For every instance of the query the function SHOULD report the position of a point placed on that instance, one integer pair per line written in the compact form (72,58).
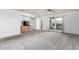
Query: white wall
(9,23)
(71,23)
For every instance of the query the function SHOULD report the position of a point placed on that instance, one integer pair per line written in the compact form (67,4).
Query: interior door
(38,24)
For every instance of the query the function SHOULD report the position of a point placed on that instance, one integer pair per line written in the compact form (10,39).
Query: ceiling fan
(48,12)
(51,11)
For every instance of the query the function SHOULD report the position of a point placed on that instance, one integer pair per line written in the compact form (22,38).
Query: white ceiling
(40,12)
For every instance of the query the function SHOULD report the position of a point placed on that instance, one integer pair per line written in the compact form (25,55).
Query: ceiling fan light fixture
(51,12)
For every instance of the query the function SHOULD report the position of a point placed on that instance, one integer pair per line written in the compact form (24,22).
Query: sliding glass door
(56,24)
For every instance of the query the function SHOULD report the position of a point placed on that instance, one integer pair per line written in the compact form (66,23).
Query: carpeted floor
(41,40)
